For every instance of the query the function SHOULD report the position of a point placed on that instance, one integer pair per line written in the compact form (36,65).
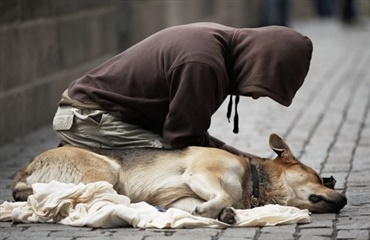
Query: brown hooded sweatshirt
(173,81)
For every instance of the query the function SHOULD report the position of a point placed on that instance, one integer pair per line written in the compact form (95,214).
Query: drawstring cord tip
(236,116)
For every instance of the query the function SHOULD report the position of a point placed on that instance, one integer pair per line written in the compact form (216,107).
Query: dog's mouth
(338,204)
(324,204)
(331,205)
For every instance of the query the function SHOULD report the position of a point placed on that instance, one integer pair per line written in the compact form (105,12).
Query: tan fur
(205,181)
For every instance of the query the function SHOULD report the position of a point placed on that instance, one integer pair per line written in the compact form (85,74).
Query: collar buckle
(255,202)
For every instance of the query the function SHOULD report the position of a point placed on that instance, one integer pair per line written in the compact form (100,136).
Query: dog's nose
(341,202)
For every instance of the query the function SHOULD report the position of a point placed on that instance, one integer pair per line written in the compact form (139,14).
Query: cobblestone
(353,234)
(327,127)
(358,222)
(234,233)
(317,232)
(318,223)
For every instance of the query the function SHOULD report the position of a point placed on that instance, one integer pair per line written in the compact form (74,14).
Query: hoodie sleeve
(194,97)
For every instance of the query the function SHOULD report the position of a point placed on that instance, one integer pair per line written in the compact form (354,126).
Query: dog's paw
(204,212)
(227,215)
(197,211)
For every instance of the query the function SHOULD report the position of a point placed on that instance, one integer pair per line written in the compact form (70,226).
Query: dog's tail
(21,189)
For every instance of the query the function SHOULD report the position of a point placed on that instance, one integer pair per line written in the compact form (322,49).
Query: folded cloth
(98,205)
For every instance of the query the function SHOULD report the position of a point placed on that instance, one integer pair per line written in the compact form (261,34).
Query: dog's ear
(329,182)
(278,145)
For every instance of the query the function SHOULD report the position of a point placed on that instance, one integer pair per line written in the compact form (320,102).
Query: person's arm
(236,151)
(220,144)
(195,95)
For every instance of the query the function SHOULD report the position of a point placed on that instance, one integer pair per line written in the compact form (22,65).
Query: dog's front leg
(208,187)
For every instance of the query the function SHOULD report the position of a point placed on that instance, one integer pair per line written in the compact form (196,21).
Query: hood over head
(271,61)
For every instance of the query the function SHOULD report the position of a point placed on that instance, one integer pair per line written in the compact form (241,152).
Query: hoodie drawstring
(229,106)
(236,116)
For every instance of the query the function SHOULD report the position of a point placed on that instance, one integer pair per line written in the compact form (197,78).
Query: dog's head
(305,188)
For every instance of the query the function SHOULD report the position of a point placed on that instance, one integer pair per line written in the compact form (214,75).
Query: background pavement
(327,127)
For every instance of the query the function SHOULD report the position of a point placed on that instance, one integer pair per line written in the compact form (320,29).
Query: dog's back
(66,164)
(74,165)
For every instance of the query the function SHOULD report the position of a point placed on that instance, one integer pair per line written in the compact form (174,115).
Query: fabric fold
(98,205)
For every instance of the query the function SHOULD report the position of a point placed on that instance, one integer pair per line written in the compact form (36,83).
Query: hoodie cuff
(215,142)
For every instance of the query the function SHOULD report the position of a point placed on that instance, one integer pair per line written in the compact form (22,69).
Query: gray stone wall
(44,44)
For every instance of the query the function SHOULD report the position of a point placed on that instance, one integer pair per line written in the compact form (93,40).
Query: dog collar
(256,186)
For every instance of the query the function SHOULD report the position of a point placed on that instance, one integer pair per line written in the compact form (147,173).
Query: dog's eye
(315,198)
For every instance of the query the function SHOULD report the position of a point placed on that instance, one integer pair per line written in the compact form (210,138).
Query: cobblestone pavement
(327,127)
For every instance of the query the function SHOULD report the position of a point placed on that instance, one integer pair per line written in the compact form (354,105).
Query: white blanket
(99,205)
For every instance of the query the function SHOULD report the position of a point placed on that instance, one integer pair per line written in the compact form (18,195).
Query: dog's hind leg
(187,204)
(208,187)
(21,189)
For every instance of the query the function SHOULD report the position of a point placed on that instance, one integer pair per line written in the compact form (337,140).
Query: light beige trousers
(101,129)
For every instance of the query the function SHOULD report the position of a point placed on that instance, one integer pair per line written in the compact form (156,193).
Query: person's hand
(236,151)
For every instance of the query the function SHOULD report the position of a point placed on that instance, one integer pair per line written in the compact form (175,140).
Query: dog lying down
(204,181)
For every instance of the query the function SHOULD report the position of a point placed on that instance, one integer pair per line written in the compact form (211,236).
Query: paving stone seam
(335,90)
(257,235)
(357,140)
(296,234)
(359,135)
(315,89)
(355,87)
(328,102)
